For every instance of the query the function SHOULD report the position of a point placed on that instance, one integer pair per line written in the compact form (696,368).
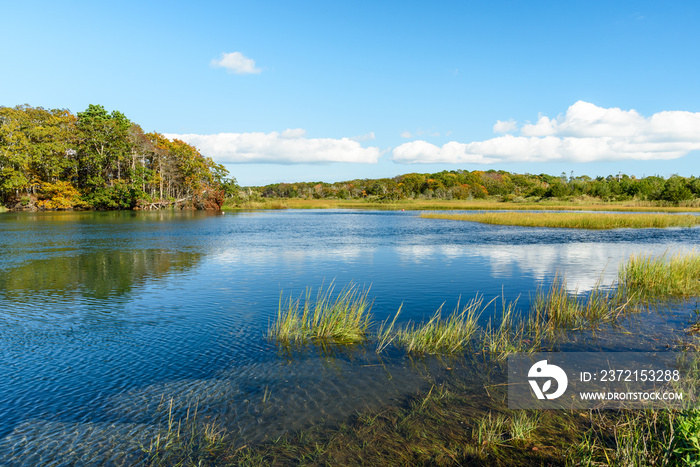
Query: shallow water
(106,317)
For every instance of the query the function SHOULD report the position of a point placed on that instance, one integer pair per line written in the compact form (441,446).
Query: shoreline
(435,205)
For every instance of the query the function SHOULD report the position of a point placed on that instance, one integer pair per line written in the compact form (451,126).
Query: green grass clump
(662,276)
(342,319)
(437,336)
(570,220)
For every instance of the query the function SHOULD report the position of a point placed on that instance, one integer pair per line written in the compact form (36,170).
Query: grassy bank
(587,204)
(580,220)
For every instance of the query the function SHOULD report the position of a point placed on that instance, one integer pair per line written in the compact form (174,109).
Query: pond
(111,321)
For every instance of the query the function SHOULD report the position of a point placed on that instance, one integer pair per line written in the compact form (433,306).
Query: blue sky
(307,91)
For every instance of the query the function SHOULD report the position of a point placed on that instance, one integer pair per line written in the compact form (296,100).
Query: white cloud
(406,134)
(424,152)
(505,127)
(586,133)
(288,147)
(236,62)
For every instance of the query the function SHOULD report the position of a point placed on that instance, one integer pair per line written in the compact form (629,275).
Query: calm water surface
(108,317)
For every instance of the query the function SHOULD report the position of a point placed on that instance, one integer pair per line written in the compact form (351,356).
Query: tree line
(53,159)
(464,185)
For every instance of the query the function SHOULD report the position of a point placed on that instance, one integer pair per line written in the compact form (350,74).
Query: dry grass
(583,220)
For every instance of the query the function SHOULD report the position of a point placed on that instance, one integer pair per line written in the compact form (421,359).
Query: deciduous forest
(52,159)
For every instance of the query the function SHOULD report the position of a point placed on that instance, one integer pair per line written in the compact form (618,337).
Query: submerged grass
(341,319)
(663,276)
(186,442)
(579,220)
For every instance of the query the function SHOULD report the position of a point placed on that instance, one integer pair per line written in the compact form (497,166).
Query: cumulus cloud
(236,62)
(288,147)
(586,133)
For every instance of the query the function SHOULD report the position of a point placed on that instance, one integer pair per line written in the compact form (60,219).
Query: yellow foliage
(59,195)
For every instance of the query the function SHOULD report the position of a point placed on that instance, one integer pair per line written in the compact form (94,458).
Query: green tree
(104,146)
(676,190)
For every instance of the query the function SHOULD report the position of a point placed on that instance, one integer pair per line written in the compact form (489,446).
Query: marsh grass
(439,335)
(556,310)
(663,276)
(530,204)
(251,204)
(553,312)
(509,335)
(327,318)
(579,220)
